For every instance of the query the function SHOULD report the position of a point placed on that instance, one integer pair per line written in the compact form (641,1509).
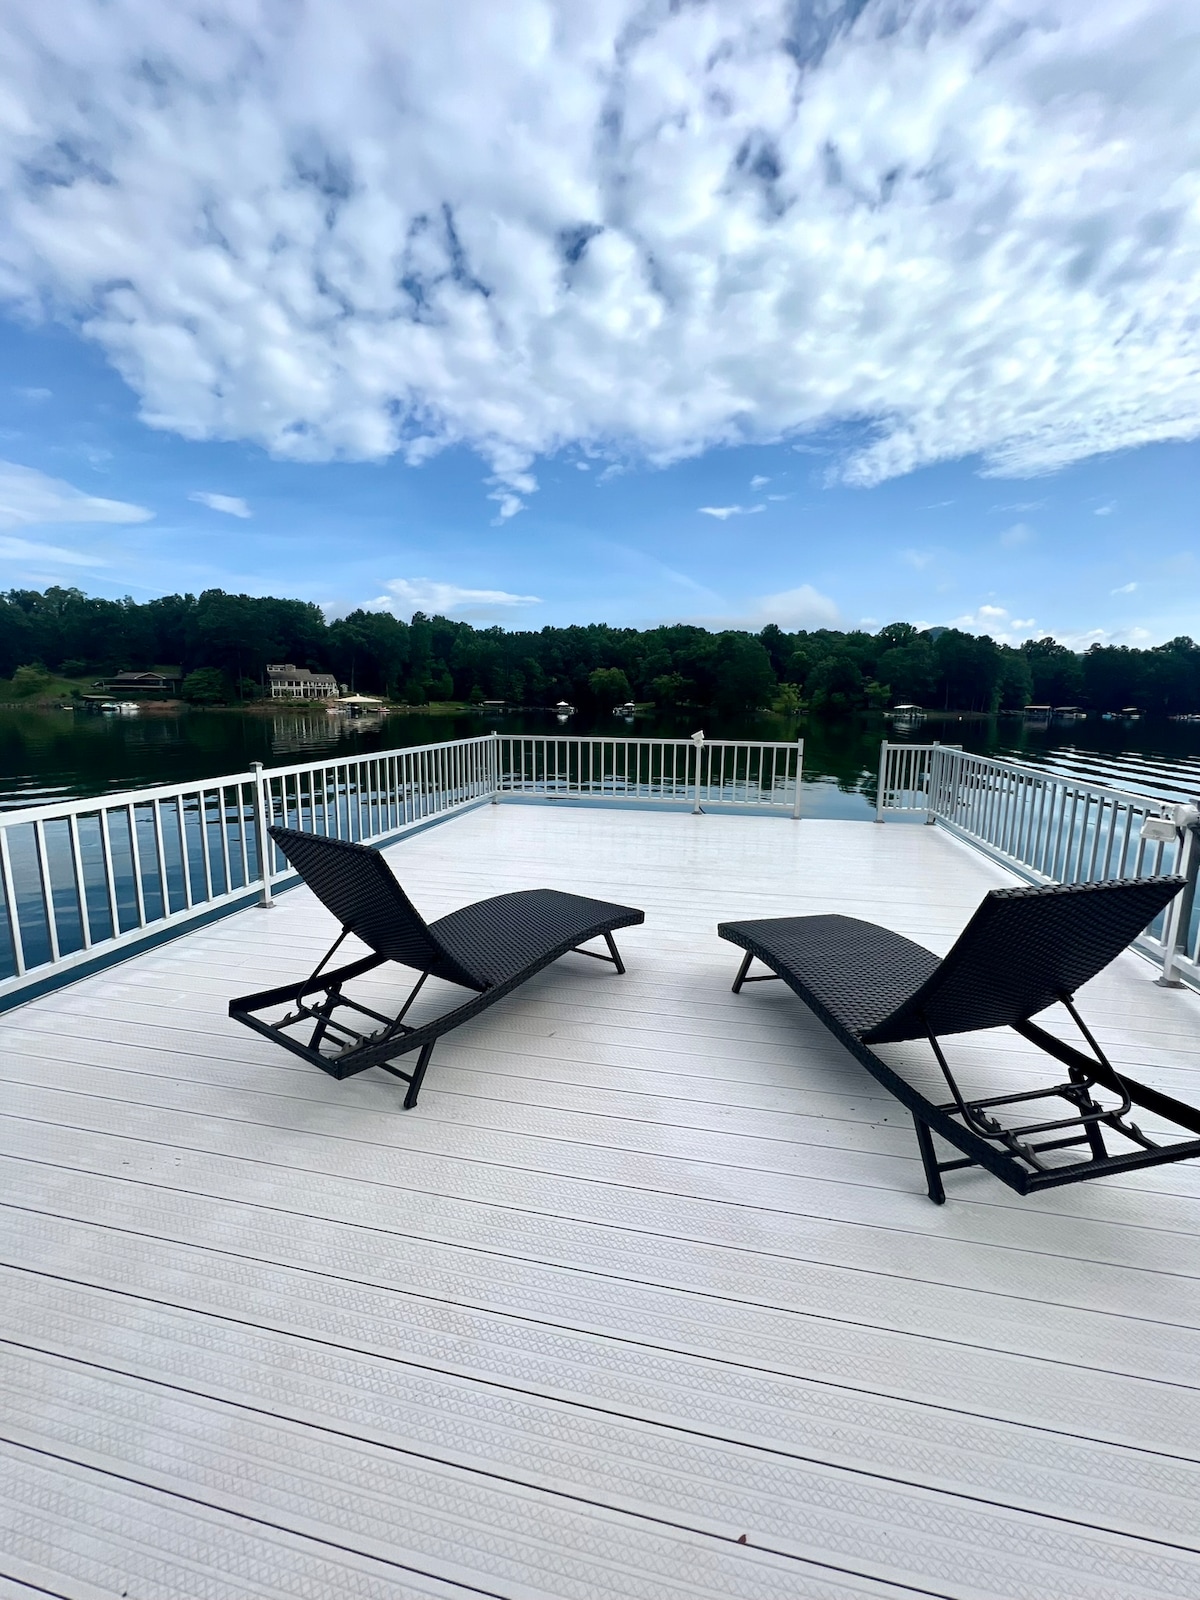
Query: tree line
(223,643)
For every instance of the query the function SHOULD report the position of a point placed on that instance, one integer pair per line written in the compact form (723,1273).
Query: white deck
(649,1269)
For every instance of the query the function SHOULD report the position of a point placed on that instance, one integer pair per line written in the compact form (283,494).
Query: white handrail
(702,773)
(1049,827)
(82,881)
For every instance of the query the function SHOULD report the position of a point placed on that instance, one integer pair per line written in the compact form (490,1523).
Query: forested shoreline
(221,643)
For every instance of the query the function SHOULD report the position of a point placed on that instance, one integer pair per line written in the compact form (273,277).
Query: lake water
(52,755)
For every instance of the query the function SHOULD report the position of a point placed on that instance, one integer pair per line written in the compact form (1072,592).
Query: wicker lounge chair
(1022,951)
(489,948)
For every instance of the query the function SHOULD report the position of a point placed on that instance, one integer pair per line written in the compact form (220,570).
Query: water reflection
(56,755)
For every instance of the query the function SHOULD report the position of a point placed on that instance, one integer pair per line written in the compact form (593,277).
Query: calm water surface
(52,755)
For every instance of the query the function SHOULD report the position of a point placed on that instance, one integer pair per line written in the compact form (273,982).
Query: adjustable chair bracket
(1086,1073)
(319,1000)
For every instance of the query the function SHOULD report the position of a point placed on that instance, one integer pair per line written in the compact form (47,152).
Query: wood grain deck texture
(648,1273)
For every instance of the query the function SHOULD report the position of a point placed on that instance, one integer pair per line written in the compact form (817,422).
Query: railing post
(933,775)
(881,791)
(1179,913)
(698,741)
(265,899)
(799,774)
(495,748)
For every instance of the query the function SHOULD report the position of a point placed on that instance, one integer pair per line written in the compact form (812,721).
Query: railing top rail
(113,799)
(684,739)
(374,755)
(1049,775)
(1042,774)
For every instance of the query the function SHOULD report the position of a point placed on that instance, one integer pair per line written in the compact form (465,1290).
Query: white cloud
(803,607)
(759,482)
(35,396)
(406,595)
(918,559)
(28,497)
(974,229)
(231,504)
(28,550)
(999,624)
(1126,588)
(1020,533)
(723,513)
(1105,511)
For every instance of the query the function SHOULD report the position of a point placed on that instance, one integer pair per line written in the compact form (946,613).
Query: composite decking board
(840,1344)
(618,1332)
(564,1249)
(727,1444)
(876,1240)
(388,1446)
(101,1534)
(816,1268)
(811,1091)
(1139,1333)
(487,1531)
(613,1183)
(890,1251)
(630,1329)
(852,1151)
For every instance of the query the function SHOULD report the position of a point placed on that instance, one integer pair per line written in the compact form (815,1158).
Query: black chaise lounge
(489,948)
(1022,951)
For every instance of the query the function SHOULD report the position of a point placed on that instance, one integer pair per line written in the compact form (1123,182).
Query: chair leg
(414,1088)
(742,971)
(614,952)
(933,1176)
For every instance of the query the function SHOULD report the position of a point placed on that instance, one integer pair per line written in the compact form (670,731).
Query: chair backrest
(358,886)
(1024,948)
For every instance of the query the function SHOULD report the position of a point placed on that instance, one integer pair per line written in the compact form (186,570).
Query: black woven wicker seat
(1023,951)
(489,948)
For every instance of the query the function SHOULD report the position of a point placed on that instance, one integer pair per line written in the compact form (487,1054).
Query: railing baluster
(12,907)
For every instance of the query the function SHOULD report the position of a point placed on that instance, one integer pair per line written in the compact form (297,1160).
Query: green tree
(1015,684)
(744,679)
(609,687)
(787,700)
(206,686)
(30,680)
(835,684)
(1057,672)
(669,690)
(909,670)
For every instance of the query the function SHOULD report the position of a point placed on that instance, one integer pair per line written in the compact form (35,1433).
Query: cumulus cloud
(759,482)
(360,229)
(28,497)
(406,595)
(999,624)
(1020,533)
(802,607)
(52,555)
(723,513)
(231,504)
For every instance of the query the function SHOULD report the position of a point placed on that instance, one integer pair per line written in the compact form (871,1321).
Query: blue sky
(757,312)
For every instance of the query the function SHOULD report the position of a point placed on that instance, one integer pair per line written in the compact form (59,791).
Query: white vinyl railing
(82,881)
(1052,828)
(697,772)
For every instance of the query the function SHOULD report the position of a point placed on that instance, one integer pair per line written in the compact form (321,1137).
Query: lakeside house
(289,682)
(161,685)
